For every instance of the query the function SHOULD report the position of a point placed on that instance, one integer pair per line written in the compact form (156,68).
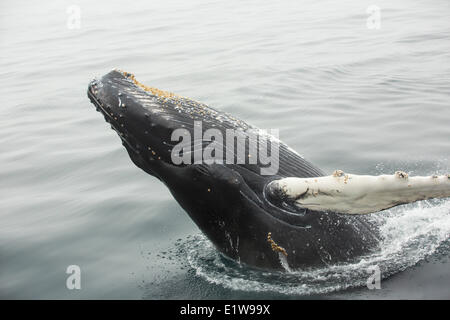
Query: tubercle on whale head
(191,108)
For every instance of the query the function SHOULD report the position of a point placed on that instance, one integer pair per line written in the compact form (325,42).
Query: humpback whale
(296,217)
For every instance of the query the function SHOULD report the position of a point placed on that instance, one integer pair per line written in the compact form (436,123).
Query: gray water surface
(343,95)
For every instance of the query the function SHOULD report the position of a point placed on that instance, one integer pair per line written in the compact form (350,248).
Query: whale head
(140,115)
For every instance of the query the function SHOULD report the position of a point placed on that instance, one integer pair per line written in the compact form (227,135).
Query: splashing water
(410,234)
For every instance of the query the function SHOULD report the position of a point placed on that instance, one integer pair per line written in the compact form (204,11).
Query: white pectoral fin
(359,194)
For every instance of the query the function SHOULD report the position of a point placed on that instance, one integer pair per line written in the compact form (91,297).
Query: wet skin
(228,202)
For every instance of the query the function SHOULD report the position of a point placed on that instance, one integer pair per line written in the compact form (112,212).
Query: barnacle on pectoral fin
(401,175)
(274,246)
(338,173)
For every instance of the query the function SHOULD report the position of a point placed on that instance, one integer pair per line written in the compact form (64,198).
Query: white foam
(410,233)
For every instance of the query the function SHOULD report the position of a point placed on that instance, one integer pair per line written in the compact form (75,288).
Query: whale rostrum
(358,194)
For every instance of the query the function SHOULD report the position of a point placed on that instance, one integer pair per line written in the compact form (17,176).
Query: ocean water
(343,93)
